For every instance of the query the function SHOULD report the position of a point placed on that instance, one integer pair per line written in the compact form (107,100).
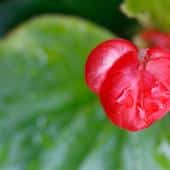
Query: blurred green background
(49,119)
(105,13)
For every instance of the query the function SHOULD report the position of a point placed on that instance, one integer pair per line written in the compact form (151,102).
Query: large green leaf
(154,13)
(49,120)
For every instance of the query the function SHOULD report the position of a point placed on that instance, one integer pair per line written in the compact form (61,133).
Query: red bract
(156,38)
(135,88)
(102,58)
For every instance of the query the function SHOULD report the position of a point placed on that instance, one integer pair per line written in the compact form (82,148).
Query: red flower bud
(156,38)
(134,87)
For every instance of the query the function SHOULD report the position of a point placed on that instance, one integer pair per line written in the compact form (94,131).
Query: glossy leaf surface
(49,120)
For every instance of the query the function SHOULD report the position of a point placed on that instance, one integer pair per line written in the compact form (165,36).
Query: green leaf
(49,120)
(152,13)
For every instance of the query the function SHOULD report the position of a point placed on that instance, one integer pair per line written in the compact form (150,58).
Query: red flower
(155,38)
(133,86)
